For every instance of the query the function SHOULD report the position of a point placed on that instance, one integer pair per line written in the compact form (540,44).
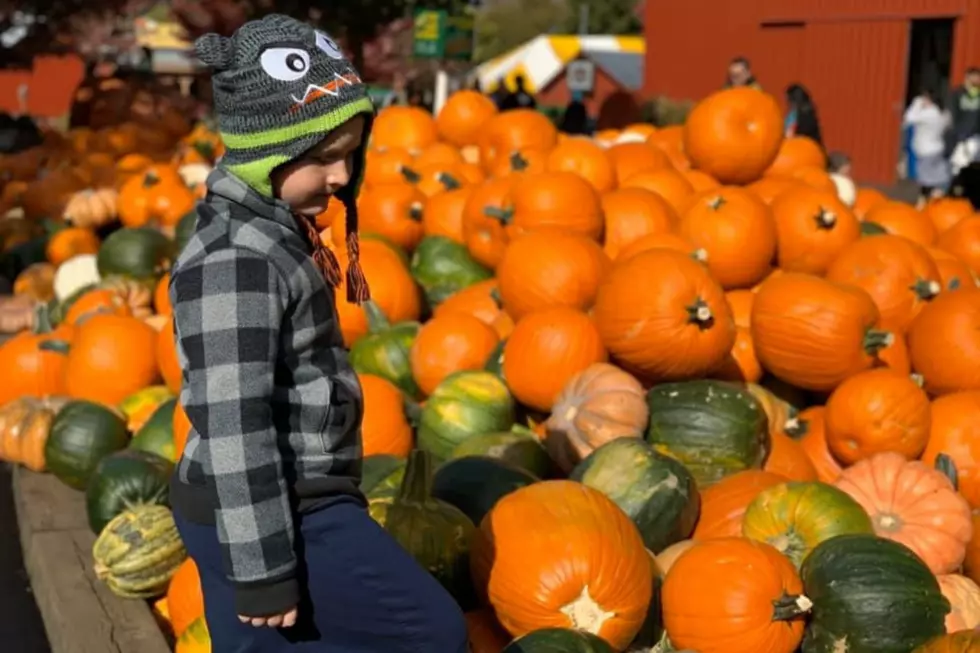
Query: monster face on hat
(280,86)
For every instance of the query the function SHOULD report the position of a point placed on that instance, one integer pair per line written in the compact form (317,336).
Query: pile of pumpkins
(673,389)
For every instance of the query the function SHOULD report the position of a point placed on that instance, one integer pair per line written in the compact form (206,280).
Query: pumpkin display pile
(672,389)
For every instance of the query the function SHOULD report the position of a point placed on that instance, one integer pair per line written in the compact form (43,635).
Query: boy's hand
(284,620)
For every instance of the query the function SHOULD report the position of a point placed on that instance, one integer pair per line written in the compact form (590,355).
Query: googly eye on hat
(285,64)
(328,45)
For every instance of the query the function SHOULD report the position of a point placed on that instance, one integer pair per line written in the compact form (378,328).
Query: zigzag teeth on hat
(331,88)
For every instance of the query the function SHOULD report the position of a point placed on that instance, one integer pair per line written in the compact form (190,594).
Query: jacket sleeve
(227,311)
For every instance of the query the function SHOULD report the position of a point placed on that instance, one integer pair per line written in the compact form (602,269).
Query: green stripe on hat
(323,123)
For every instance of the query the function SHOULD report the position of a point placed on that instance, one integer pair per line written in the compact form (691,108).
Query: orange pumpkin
(70,242)
(815,177)
(700,181)
(385,428)
(663,241)
(36,281)
(912,504)
(673,325)
(482,301)
(900,219)
(788,458)
(463,116)
(809,428)
(769,188)
(546,349)
(449,343)
(630,159)
(814,333)
(737,231)
(515,131)
(971,563)
(485,208)
(955,432)
(24,426)
(185,602)
(632,213)
(895,355)
(166,353)
(599,404)
(944,342)
(946,212)
(443,214)
(953,272)
(394,212)
(741,363)
(94,302)
(549,268)
(899,275)
(724,503)
(964,598)
(587,160)
(734,135)
(667,183)
(385,166)
(520,162)
(867,199)
(182,429)
(111,357)
(161,295)
(407,127)
(812,228)
(748,591)
(963,242)
(797,152)
(34,362)
(597,580)
(157,196)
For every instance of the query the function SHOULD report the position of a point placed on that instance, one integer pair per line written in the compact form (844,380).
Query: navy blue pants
(362,593)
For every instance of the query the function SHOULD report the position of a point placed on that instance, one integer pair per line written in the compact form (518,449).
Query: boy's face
(307,183)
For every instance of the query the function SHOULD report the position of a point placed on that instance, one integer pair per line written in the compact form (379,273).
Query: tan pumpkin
(599,404)
(666,558)
(912,504)
(24,427)
(137,296)
(92,208)
(964,598)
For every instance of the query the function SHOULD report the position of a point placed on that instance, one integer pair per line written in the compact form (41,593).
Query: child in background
(266,494)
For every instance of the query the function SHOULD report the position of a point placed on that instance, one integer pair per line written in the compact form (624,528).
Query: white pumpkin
(194,174)
(846,190)
(74,274)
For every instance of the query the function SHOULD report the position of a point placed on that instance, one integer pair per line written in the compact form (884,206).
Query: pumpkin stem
(150,179)
(499,213)
(947,467)
(700,255)
(826,219)
(448,181)
(790,606)
(926,289)
(415,211)
(716,202)
(700,313)
(413,411)
(42,319)
(57,346)
(796,428)
(410,175)
(417,484)
(518,162)
(918,379)
(376,319)
(875,340)
(495,296)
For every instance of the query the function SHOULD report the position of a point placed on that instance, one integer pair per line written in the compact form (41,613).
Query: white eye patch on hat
(328,45)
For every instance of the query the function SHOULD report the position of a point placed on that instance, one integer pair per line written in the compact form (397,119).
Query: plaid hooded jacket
(274,405)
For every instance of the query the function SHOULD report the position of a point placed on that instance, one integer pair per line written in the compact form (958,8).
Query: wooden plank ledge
(80,614)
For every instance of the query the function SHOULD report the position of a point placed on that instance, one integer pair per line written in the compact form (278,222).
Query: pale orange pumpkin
(599,404)
(964,598)
(912,504)
(597,580)
(385,429)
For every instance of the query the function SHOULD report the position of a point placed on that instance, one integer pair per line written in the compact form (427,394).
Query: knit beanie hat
(280,86)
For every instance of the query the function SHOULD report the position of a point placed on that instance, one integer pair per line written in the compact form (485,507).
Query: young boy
(266,493)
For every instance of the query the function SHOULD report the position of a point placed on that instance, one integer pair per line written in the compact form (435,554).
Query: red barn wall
(51,86)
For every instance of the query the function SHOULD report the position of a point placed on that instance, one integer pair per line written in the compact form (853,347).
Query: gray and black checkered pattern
(274,404)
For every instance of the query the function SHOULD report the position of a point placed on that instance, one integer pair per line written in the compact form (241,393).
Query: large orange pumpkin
(111,357)
(463,116)
(393,211)
(34,362)
(724,503)
(953,272)
(955,432)
(812,228)
(946,212)
(582,565)
(630,159)
(451,342)
(734,595)
(632,213)
(185,602)
(944,342)
(385,429)
(667,183)
(662,316)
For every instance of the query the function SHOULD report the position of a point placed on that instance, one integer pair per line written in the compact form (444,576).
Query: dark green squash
(183,231)
(139,253)
(872,594)
(465,404)
(519,446)
(872,229)
(475,484)
(125,479)
(714,428)
(436,533)
(381,475)
(82,434)
(442,266)
(655,491)
(157,434)
(384,351)
(58,309)
(558,640)
(495,361)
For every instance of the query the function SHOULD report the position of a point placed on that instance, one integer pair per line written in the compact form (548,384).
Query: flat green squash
(558,640)
(795,517)
(381,475)
(81,435)
(157,434)
(384,351)
(123,480)
(870,595)
(655,491)
(465,404)
(495,361)
(714,428)
(475,484)
(441,266)
(518,446)
(139,253)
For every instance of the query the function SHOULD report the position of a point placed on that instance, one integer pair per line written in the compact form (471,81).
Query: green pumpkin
(476,483)
(465,404)
(558,640)
(870,595)
(381,475)
(796,517)
(125,479)
(184,230)
(518,446)
(139,253)
(443,267)
(652,631)
(436,533)
(495,361)
(81,435)
(655,491)
(157,435)
(714,428)
(872,229)
(56,310)
(384,351)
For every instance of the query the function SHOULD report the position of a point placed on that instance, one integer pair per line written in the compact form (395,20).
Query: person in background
(499,92)
(576,117)
(929,122)
(740,74)
(839,163)
(520,98)
(801,119)
(965,109)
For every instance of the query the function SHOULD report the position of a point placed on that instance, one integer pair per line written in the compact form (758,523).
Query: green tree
(605,16)
(506,24)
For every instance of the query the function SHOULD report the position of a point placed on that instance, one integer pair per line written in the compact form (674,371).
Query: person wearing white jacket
(929,122)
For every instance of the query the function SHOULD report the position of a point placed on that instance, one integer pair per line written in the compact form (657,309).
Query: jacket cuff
(267,597)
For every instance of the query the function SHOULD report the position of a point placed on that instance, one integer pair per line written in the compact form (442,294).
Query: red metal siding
(838,10)
(51,86)
(556,93)
(778,72)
